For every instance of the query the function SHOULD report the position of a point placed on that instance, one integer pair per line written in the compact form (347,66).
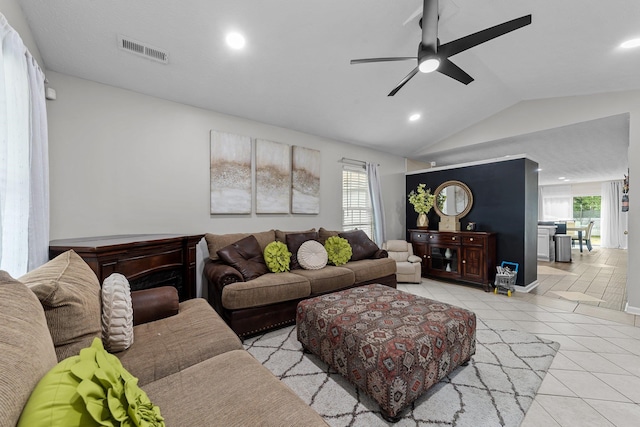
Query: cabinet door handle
(429,257)
(453,238)
(431,237)
(471,239)
(464,262)
(419,235)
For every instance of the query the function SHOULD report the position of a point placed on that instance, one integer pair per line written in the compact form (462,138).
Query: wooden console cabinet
(468,256)
(146,260)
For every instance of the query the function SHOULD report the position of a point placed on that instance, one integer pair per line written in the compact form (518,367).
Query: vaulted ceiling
(294,71)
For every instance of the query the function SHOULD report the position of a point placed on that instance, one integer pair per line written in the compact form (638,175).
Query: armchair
(409,266)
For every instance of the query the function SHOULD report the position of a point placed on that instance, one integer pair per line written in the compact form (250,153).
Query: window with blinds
(356,203)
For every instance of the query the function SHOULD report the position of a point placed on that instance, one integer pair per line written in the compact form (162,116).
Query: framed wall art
(305,182)
(273,177)
(230,173)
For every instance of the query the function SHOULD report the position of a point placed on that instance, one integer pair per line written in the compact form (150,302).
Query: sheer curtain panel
(376,203)
(24,199)
(613,222)
(557,203)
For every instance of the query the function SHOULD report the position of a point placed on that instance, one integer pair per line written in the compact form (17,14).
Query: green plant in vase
(422,201)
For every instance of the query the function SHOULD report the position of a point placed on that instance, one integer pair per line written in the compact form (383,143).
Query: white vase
(447,254)
(448,267)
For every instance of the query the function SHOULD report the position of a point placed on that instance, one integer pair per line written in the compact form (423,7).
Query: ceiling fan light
(429,65)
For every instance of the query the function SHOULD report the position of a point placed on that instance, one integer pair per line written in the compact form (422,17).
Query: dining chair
(586,236)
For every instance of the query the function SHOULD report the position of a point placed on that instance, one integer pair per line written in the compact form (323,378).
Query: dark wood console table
(468,256)
(146,260)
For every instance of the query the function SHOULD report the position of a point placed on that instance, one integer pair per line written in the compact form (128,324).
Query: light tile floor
(594,379)
(600,274)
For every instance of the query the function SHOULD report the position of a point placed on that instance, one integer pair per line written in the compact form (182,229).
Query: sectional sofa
(252,303)
(187,360)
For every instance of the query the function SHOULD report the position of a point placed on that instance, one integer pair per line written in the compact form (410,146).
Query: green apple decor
(277,257)
(338,250)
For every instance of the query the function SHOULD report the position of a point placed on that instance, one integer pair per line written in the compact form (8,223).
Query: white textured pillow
(117,313)
(312,255)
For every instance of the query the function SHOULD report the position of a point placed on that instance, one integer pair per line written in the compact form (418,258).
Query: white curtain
(376,203)
(613,222)
(557,203)
(24,199)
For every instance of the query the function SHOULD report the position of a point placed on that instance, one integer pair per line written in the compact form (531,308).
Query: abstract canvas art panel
(306,181)
(230,173)
(273,177)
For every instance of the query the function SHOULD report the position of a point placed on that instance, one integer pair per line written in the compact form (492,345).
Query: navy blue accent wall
(505,201)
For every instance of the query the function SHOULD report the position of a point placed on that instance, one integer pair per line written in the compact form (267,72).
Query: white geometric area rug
(495,389)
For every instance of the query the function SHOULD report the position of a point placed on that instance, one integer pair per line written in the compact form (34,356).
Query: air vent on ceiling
(143,49)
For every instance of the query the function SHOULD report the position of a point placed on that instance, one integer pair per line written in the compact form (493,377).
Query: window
(585,210)
(356,203)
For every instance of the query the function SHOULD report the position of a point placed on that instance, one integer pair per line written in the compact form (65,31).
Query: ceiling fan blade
(467,42)
(396,58)
(403,82)
(450,69)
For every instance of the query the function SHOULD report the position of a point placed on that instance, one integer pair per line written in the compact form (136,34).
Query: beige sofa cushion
(169,345)
(370,269)
(69,291)
(328,279)
(267,289)
(232,389)
(26,348)
(215,242)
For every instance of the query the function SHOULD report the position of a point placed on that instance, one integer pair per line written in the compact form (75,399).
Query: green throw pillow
(277,257)
(91,389)
(338,250)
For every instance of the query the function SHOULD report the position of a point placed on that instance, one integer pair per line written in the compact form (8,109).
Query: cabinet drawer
(418,236)
(444,238)
(472,240)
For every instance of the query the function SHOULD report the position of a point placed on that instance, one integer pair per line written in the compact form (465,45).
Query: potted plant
(422,201)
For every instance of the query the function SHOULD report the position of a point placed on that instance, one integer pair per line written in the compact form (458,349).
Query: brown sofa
(191,365)
(269,301)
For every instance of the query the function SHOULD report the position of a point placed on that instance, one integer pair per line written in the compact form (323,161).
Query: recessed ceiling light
(567,180)
(235,40)
(414,117)
(562,177)
(630,43)
(538,170)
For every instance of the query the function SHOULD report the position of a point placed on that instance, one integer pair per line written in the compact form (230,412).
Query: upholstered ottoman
(391,344)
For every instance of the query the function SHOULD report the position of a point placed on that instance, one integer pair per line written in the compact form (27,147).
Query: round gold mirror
(453,201)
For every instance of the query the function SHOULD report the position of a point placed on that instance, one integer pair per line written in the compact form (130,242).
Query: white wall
(13,12)
(122,162)
(531,116)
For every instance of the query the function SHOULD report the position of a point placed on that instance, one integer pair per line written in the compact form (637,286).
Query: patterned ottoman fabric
(391,344)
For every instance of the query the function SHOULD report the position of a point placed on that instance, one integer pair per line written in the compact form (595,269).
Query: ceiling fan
(432,56)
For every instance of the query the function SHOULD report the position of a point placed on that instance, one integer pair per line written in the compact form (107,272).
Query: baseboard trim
(526,289)
(631,310)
